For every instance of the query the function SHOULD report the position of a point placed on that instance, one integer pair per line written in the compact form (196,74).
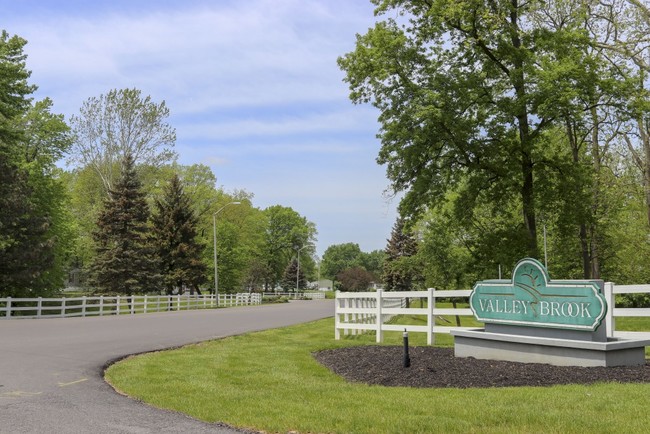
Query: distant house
(325,285)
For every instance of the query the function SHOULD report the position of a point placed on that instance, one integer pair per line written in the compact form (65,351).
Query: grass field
(269,381)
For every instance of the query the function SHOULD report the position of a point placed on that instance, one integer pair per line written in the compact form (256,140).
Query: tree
(118,124)
(126,262)
(373,262)
(354,279)
(291,273)
(465,92)
(33,234)
(286,231)
(400,267)
(174,231)
(339,257)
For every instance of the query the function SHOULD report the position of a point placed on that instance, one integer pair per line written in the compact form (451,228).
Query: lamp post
(214,233)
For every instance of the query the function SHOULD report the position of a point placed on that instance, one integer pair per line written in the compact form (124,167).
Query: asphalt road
(51,370)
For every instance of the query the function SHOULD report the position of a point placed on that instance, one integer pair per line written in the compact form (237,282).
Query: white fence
(296,295)
(117,305)
(362,311)
(611,290)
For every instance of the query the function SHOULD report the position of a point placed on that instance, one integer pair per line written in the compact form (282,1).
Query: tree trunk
(527,188)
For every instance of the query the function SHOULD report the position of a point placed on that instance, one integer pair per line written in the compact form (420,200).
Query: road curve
(51,370)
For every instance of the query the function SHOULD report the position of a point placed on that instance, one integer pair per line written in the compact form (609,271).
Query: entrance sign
(531,298)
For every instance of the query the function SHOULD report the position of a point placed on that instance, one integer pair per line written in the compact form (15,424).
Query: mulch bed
(438,367)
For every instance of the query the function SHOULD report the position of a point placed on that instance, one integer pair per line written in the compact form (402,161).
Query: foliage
(121,123)
(286,232)
(502,123)
(34,235)
(373,262)
(125,261)
(292,277)
(339,257)
(401,267)
(355,279)
(174,233)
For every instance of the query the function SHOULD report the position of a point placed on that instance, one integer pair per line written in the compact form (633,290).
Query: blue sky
(253,87)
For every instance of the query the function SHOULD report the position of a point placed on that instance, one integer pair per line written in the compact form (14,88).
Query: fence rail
(116,305)
(357,312)
(611,290)
(363,311)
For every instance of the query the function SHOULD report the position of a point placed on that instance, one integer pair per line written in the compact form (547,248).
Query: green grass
(269,381)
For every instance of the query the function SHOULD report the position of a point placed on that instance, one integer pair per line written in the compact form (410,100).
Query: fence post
(63,307)
(132,302)
(117,303)
(8,314)
(379,319)
(145,304)
(431,319)
(178,302)
(610,322)
(39,307)
(101,305)
(337,320)
(83,306)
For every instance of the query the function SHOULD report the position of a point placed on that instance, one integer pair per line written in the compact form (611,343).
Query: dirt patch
(438,367)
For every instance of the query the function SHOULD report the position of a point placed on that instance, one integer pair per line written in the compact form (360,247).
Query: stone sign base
(482,344)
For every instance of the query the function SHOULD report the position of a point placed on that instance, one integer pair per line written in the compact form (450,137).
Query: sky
(253,88)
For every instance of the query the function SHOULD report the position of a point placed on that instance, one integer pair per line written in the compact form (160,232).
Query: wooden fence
(357,312)
(116,305)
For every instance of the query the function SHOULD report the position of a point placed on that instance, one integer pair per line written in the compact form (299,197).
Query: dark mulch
(438,367)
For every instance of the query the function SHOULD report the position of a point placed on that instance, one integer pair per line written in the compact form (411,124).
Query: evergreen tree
(25,249)
(174,228)
(26,242)
(400,268)
(125,261)
(289,278)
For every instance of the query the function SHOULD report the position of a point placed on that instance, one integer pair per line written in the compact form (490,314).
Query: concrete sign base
(481,344)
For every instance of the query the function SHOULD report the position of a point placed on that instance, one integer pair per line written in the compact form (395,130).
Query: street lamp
(298,269)
(214,232)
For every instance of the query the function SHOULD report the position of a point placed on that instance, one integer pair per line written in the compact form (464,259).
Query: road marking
(72,382)
(18,394)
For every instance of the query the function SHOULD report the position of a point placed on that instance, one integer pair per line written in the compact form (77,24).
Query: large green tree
(339,257)
(175,238)
(286,233)
(465,90)
(126,262)
(34,234)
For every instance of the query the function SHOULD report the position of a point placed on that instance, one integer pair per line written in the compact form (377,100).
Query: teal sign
(531,298)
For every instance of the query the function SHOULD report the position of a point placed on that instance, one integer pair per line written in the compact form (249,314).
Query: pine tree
(400,271)
(25,249)
(289,279)
(174,228)
(26,246)
(125,261)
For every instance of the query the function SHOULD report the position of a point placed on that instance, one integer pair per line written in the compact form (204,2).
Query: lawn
(269,381)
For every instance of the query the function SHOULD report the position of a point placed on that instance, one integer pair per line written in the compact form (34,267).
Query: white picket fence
(117,305)
(357,312)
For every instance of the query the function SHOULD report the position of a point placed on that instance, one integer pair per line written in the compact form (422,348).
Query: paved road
(51,369)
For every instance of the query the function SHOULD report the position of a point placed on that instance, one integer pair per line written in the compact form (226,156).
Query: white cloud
(242,53)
